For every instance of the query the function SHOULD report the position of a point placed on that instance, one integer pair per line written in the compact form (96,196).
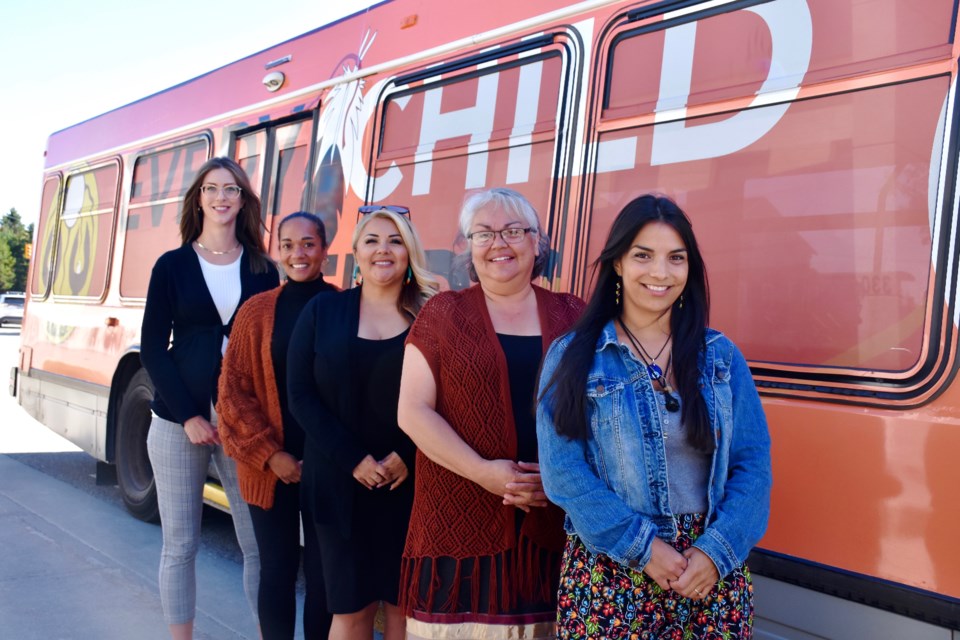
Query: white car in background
(11,308)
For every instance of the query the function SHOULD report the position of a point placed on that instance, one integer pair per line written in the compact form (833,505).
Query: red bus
(814,143)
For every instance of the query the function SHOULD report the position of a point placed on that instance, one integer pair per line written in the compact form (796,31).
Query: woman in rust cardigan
(483,549)
(260,433)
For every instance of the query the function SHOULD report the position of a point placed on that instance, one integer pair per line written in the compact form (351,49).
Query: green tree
(13,238)
(7,275)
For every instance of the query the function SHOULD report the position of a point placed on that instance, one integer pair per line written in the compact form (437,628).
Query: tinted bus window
(815,215)
(85,238)
(492,126)
(160,181)
(869,35)
(44,253)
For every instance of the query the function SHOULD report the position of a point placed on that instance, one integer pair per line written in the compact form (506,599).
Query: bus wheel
(134,473)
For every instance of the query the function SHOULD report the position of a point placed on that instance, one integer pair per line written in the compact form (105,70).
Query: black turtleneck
(293,298)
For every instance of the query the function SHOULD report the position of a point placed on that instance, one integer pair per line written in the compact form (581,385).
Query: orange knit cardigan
(250,418)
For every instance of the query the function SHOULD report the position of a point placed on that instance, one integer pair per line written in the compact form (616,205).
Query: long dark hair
(250,227)
(687,325)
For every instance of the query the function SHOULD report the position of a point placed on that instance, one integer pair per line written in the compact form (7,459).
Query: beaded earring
(357,276)
(617,294)
(681,302)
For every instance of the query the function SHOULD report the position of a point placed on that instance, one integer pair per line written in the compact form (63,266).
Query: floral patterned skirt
(601,598)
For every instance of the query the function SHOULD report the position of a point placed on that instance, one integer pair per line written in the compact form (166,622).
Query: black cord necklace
(653,369)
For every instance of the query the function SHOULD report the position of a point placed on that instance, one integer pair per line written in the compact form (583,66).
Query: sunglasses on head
(392,208)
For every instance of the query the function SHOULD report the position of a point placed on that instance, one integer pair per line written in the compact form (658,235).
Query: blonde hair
(423,285)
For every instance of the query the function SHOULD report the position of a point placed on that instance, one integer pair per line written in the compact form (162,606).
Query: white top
(223,283)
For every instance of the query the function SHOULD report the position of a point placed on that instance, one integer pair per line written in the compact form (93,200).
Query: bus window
(160,180)
(725,67)
(289,184)
(84,245)
(46,242)
(276,160)
(815,215)
(250,151)
(492,125)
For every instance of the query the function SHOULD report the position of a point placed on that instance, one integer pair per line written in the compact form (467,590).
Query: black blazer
(319,370)
(185,371)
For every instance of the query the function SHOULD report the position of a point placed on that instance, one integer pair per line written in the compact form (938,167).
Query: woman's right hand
(666,564)
(495,475)
(200,431)
(526,489)
(285,466)
(369,472)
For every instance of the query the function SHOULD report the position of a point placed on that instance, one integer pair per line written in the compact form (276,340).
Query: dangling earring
(357,276)
(409,275)
(617,294)
(681,302)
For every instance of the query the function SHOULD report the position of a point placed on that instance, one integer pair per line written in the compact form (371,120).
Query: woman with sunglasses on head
(654,442)
(484,545)
(343,379)
(193,295)
(260,433)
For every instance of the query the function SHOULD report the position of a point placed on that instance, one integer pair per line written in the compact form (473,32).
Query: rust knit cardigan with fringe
(455,517)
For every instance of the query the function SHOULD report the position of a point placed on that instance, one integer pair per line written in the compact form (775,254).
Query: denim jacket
(613,485)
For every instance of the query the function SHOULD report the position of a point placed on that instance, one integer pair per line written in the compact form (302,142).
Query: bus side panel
(77,413)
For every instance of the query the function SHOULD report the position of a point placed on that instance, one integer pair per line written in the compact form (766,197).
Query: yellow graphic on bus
(76,251)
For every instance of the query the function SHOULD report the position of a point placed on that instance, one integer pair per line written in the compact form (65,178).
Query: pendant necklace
(217,253)
(653,369)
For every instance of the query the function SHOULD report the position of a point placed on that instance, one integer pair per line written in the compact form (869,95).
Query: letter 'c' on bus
(791,34)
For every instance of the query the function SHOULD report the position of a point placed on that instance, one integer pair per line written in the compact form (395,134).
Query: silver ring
(698,592)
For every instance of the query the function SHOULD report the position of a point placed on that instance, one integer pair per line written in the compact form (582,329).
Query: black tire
(134,472)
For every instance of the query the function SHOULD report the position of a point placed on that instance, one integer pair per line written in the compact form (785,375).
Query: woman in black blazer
(343,380)
(193,295)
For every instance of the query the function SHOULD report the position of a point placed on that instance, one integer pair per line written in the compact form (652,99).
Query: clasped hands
(372,474)
(690,574)
(518,482)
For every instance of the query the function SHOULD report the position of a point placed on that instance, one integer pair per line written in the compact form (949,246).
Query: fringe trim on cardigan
(528,574)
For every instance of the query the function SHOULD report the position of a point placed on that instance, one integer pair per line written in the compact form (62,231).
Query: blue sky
(65,61)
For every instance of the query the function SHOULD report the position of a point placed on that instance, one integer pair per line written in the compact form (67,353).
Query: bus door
(276,157)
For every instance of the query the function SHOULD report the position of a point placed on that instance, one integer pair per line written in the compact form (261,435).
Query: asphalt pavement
(75,567)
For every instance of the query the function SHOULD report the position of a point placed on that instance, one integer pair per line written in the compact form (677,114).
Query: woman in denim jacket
(653,440)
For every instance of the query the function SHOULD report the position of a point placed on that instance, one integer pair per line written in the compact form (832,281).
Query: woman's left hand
(396,469)
(699,578)
(527,489)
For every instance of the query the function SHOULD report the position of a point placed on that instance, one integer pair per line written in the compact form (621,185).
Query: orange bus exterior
(813,142)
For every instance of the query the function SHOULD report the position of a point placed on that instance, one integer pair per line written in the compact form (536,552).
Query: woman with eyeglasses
(260,433)
(343,378)
(483,547)
(654,442)
(193,296)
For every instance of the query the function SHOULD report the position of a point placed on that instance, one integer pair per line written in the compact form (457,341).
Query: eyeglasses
(510,235)
(230,192)
(392,208)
